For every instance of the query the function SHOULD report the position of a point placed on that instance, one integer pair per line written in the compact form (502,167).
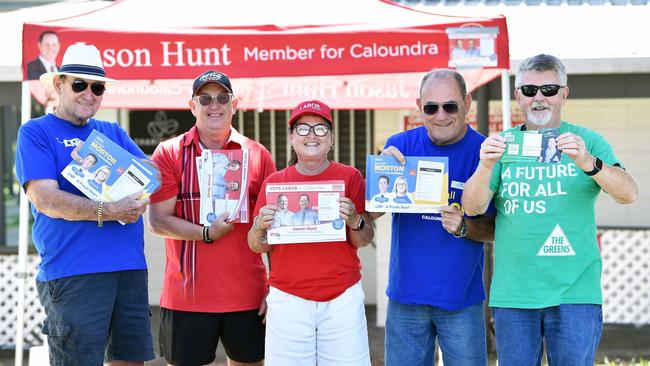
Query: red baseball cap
(314,107)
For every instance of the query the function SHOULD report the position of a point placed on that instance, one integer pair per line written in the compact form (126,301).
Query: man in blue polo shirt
(92,279)
(435,283)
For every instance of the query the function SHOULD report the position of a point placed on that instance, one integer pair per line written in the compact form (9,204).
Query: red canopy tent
(367,54)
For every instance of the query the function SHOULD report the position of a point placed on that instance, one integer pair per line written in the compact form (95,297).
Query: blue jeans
(96,318)
(411,332)
(571,333)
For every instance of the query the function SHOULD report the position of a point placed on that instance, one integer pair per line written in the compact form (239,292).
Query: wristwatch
(360,225)
(598,166)
(463,230)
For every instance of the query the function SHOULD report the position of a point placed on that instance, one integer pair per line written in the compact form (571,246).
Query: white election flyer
(308,212)
(532,145)
(421,185)
(223,184)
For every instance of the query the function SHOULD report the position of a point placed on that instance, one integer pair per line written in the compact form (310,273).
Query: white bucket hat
(82,61)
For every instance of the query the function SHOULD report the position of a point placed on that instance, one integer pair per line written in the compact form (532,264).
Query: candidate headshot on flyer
(383,183)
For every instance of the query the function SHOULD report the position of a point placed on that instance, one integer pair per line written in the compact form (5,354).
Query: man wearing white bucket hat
(92,279)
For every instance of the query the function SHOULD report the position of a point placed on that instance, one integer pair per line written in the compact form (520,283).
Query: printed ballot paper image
(104,171)
(421,185)
(307,212)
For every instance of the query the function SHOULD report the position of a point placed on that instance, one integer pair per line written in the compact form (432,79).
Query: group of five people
(309,310)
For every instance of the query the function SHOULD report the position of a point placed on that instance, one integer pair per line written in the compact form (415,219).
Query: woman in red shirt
(316,309)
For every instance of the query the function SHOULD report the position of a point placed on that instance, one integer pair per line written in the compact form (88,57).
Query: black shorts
(189,338)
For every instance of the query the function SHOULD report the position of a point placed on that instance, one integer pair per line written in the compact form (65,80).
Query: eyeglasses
(548,90)
(80,85)
(432,108)
(207,99)
(320,129)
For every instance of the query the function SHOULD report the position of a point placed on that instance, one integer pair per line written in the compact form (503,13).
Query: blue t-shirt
(429,266)
(70,248)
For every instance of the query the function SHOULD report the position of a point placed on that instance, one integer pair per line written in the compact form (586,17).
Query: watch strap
(598,166)
(360,225)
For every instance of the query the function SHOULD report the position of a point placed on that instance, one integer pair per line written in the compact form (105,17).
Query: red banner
(129,56)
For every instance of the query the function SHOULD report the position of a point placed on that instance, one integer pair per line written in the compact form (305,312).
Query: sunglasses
(548,90)
(432,108)
(320,129)
(221,98)
(79,85)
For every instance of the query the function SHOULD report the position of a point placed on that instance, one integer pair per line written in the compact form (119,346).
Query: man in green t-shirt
(546,283)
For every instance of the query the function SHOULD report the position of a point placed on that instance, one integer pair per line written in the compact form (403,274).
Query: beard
(539,117)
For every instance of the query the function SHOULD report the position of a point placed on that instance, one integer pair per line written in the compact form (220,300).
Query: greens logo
(556,245)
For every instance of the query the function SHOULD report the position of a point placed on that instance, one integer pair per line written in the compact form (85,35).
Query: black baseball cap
(211,77)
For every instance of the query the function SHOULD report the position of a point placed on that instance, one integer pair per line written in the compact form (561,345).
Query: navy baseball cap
(211,77)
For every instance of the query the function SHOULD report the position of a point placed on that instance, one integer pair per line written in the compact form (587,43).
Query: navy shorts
(96,318)
(191,338)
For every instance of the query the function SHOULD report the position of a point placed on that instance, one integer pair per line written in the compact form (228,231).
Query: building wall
(625,124)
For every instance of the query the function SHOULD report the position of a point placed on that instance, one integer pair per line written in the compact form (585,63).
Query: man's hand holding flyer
(421,185)
(307,212)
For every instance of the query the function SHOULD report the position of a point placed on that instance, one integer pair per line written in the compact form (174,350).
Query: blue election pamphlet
(104,171)
(421,185)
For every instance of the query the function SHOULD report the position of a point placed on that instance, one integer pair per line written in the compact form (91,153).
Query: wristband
(206,235)
(100,214)
(463,230)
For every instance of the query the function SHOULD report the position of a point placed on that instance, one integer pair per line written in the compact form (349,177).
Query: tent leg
(23,240)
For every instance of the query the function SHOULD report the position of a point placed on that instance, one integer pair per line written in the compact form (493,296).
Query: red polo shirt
(226,275)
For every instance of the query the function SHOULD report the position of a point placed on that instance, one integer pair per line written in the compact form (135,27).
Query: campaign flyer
(308,212)
(104,171)
(532,145)
(419,186)
(223,185)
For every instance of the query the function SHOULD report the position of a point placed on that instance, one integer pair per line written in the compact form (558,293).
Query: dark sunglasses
(432,108)
(221,98)
(548,90)
(320,129)
(79,85)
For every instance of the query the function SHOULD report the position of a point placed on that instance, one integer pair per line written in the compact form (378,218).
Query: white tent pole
(23,239)
(505,99)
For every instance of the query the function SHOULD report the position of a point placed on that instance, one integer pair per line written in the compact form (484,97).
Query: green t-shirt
(545,250)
